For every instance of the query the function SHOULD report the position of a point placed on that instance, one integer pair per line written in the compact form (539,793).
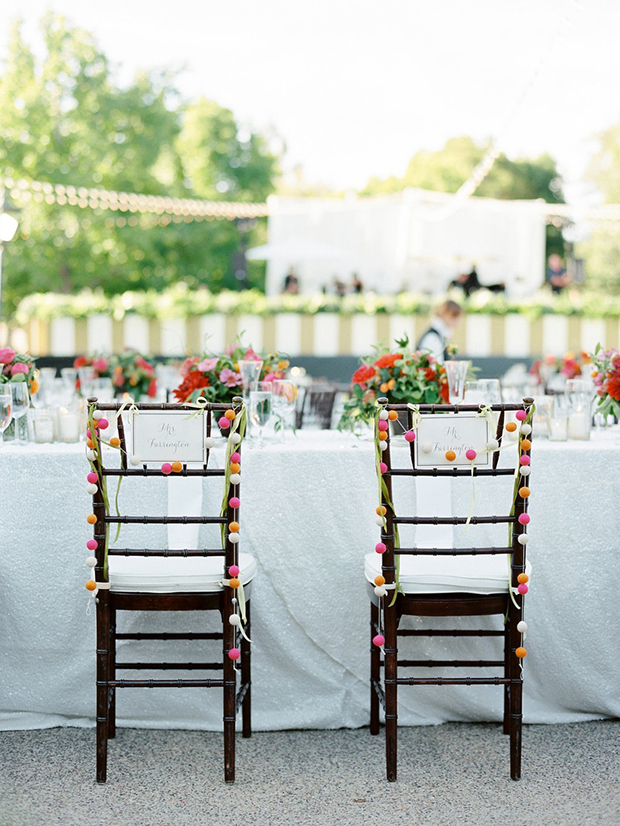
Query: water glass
(42,422)
(260,411)
(456,372)
(284,400)
(250,373)
(6,409)
(558,419)
(21,403)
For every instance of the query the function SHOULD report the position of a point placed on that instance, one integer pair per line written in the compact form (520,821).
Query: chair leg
(230,701)
(516,719)
(506,726)
(375,670)
(103,708)
(390,673)
(246,677)
(112,676)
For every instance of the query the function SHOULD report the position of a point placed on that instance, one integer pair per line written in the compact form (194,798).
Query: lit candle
(69,426)
(579,425)
(44,430)
(558,429)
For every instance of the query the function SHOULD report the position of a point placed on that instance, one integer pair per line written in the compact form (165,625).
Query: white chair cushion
(173,574)
(487,574)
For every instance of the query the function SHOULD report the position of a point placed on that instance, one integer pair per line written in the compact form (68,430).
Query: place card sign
(459,432)
(168,436)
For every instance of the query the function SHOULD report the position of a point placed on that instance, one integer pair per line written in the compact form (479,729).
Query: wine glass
(6,410)
(21,403)
(250,373)
(260,411)
(284,400)
(456,372)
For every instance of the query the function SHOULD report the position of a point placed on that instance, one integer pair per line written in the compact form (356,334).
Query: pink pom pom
(234,502)
(378,640)
(410,436)
(521,415)
(234,653)
(224,423)
(524,460)
(524,518)
(235,457)
(383,425)
(380,548)
(471,454)
(88,433)
(103,424)
(166,468)
(522,588)
(233,570)
(382,467)
(91,545)
(92,477)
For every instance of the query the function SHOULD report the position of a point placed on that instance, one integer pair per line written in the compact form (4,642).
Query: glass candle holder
(68,424)
(42,425)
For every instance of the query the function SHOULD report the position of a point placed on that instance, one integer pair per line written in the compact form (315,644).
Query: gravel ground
(449,774)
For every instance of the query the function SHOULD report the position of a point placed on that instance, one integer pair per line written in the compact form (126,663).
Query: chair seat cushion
(486,574)
(152,574)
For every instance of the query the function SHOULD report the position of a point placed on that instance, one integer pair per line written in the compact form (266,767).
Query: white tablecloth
(308,516)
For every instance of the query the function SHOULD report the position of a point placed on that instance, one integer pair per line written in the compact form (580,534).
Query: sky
(356,87)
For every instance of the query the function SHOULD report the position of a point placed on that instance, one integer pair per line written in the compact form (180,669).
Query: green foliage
(66,120)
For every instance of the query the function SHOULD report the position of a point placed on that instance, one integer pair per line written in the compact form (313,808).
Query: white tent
(414,240)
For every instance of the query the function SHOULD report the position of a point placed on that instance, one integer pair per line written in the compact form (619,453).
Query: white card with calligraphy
(439,434)
(168,436)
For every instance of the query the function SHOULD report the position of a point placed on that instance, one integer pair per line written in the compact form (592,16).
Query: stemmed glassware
(284,400)
(21,403)
(261,410)
(456,372)
(249,370)
(6,409)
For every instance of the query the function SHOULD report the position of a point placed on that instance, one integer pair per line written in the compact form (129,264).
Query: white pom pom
(209,442)
(383,415)
(235,438)
(522,626)
(97,415)
(524,470)
(526,429)
(379,520)
(91,455)
(91,489)
(492,444)
(235,478)
(380,590)
(523,538)
(383,445)
(91,561)
(427,448)
(234,538)
(234,619)
(134,460)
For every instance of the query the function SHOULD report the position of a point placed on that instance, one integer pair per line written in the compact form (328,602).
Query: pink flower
(6,355)
(206,365)
(118,380)
(19,367)
(230,378)
(100,365)
(271,376)
(250,355)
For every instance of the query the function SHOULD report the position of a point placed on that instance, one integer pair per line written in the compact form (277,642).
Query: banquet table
(308,515)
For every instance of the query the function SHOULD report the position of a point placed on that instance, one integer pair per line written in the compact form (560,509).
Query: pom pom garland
(92,544)
(379,520)
(523,578)
(511,427)
(521,415)
(471,454)
(235,457)
(235,467)
(522,627)
(134,460)
(92,477)
(392,415)
(233,570)
(91,489)
(90,444)
(450,455)
(235,478)
(383,435)
(526,429)
(427,448)
(525,444)
(91,561)
(97,415)
(522,589)
(234,502)
(234,583)
(383,425)
(230,415)
(103,424)
(224,423)
(383,445)
(524,460)
(378,640)
(410,436)
(524,518)
(383,415)
(524,470)
(234,653)
(234,619)
(234,538)
(115,441)
(91,518)
(492,444)
(524,492)
(379,580)
(209,442)
(90,585)
(177,467)
(383,467)
(91,455)
(380,548)
(381,591)
(523,539)
(166,468)
(234,527)
(520,652)
(235,438)
(381,510)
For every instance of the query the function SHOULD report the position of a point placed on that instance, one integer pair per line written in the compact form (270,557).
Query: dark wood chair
(317,406)
(190,579)
(488,596)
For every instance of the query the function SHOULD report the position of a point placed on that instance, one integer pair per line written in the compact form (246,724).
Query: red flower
(363,374)
(193,381)
(430,374)
(612,386)
(152,388)
(81,361)
(445,393)
(387,360)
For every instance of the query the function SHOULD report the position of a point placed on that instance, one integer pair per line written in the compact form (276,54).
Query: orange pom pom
(379,580)
(233,527)
(511,427)
(115,441)
(91,518)
(392,415)
(90,585)
(450,455)
(90,444)
(384,387)
(523,578)
(381,510)
(34,387)
(524,492)
(234,582)
(230,415)
(177,467)
(382,435)
(525,444)
(520,653)
(235,467)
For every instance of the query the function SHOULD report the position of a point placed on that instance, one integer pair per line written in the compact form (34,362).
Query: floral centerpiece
(217,378)
(570,365)
(400,376)
(132,373)
(16,367)
(606,376)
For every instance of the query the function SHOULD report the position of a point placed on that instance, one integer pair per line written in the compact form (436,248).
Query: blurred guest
(356,284)
(340,288)
(469,283)
(291,283)
(556,276)
(443,324)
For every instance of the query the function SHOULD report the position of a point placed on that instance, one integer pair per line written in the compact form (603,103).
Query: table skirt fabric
(308,518)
